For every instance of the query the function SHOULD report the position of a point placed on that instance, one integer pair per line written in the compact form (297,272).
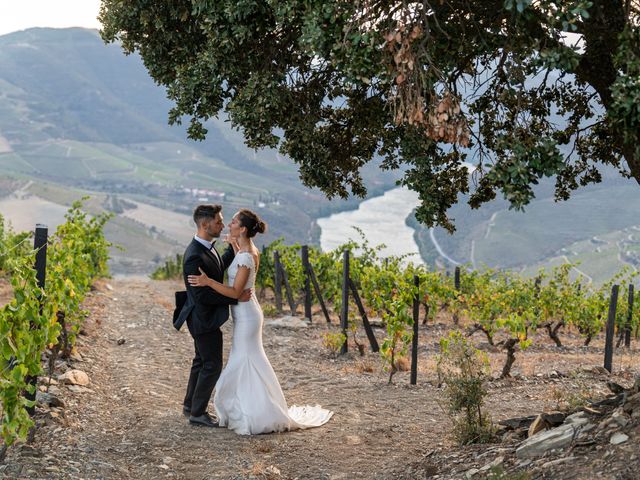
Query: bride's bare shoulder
(255,253)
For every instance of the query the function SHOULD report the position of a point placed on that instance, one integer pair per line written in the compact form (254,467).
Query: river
(382,219)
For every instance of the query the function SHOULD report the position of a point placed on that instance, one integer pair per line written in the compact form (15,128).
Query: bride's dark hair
(253,223)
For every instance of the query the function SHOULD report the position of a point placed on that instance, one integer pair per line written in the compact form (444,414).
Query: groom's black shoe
(204,420)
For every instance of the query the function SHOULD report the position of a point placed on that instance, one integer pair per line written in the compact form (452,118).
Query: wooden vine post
(414,340)
(314,281)
(456,284)
(287,288)
(307,281)
(610,331)
(627,330)
(40,245)
(277,289)
(365,319)
(344,316)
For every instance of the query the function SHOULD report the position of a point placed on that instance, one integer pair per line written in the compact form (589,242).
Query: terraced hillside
(78,117)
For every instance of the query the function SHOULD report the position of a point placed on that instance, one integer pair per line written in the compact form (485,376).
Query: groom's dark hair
(205,212)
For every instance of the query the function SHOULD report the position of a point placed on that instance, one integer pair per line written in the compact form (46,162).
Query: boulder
(541,443)
(555,438)
(74,377)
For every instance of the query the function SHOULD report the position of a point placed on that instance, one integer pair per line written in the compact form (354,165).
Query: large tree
(521,89)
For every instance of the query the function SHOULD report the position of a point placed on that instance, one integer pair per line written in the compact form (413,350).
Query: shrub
(463,369)
(333,341)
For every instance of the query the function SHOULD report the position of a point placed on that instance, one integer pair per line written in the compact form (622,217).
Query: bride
(248,397)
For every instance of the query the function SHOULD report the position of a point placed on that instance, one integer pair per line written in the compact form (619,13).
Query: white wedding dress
(248,398)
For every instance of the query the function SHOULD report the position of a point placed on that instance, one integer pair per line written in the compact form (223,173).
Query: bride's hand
(246,295)
(233,241)
(198,280)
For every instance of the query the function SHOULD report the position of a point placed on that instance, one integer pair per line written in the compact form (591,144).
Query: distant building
(206,194)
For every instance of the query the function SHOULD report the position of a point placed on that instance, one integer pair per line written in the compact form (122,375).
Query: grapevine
(76,254)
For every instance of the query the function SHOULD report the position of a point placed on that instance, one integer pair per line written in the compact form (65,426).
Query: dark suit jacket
(205,309)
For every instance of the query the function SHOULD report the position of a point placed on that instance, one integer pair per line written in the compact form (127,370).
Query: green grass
(522,239)
(14,163)
(506,246)
(63,195)
(600,261)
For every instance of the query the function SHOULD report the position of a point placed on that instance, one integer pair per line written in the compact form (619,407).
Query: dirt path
(127,423)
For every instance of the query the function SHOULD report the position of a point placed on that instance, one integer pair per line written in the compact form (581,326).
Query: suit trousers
(205,371)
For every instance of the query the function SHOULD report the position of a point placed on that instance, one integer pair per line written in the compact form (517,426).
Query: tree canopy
(521,89)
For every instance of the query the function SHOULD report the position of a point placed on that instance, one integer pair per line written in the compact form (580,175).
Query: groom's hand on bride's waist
(245,296)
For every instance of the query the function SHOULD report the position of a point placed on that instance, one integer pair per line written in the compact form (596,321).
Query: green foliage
(333,84)
(498,303)
(386,286)
(289,258)
(11,245)
(592,307)
(269,310)
(624,278)
(625,111)
(172,269)
(436,290)
(327,266)
(559,298)
(265,278)
(291,262)
(24,333)
(76,254)
(390,293)
(463,370)
(333,341)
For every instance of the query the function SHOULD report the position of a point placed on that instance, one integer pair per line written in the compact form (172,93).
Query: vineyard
(49,277)
(507,308)
(346,293)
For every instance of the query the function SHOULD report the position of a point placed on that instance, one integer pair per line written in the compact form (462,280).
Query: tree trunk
(393,368)
(552,330)
(489,335)
(510,347)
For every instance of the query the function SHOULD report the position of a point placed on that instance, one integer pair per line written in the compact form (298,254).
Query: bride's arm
(232,292)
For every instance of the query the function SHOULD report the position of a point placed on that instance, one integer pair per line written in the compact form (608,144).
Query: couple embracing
(248,398)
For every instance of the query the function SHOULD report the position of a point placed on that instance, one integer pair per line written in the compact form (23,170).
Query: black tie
(214,252)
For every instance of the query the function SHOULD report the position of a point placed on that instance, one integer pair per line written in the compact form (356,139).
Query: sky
(21,14)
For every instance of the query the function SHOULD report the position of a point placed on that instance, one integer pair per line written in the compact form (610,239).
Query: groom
(205,311)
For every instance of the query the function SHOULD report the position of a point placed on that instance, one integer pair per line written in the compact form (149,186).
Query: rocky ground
(124,420)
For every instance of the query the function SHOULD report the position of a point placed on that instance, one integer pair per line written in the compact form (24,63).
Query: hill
(595,228)
(78,117)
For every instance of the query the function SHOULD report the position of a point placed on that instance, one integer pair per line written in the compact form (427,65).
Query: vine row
(43,314)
